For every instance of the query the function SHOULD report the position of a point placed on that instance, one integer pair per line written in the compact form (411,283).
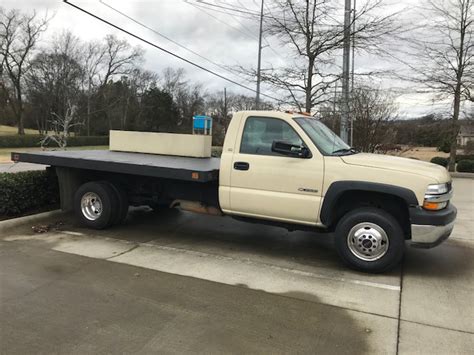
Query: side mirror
(291,150)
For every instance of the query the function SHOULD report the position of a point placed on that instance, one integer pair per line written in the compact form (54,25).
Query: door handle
(241,165)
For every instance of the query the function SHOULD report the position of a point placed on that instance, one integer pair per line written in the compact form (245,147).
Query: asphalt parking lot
(174,282)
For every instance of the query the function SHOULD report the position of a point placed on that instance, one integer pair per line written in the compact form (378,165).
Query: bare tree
(189,98)
(54,78)
(444,53)
(19,34)
(92,58)
(61,126)
(372,109)
(120,58)
(314,31)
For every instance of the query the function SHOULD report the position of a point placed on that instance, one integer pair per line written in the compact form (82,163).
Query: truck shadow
(308,251)
(224,234)
(177,228)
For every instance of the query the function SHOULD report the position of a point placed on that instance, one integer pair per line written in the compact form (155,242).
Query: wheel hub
(368,241)
(91,206)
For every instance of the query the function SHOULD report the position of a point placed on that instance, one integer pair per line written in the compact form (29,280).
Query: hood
(388,162)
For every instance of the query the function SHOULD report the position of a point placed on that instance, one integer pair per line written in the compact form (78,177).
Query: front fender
(338,188)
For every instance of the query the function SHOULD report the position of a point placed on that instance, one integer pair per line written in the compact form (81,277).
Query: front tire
(370,240)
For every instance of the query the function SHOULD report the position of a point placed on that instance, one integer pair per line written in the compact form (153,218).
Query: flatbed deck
(162,166)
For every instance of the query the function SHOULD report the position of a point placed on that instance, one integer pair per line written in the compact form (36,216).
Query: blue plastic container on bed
(202,125)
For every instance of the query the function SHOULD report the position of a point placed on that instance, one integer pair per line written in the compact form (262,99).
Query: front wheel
(370,240)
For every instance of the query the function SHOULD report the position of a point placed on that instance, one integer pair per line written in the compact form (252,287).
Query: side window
(260,133)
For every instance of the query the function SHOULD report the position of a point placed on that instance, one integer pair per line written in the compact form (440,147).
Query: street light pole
(257,98)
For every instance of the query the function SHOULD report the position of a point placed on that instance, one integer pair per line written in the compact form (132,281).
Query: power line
(219,10)
(169,39)
(166,51)
(218,19)
(201,8)
(235,9)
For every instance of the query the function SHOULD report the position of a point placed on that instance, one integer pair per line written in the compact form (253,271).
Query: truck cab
(292,169)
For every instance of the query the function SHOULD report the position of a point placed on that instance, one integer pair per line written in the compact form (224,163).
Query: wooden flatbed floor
(163,166)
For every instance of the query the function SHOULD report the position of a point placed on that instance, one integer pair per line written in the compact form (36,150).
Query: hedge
(440,161)
(33,140)
(460,157)
(27,191)
(465,166)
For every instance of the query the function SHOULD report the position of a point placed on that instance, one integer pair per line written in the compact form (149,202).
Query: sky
(224,39)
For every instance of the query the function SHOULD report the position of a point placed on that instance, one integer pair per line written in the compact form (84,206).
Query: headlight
(437,197)
(437,189)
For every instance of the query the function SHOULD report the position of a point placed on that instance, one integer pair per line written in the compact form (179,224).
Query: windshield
(325,139)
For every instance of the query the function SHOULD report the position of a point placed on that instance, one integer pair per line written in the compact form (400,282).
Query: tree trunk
(20,118)
(88,120)
(455,128)
(309,86)
(21,127)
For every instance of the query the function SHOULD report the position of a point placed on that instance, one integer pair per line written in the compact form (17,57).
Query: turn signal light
(434,206)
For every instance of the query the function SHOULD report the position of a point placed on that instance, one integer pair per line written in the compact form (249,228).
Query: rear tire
(370,240)
(95,203)
(123,205)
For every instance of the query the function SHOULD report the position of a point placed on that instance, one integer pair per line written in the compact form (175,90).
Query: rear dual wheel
(100,204)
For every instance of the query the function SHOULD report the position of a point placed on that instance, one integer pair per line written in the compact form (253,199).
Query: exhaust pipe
(196,207)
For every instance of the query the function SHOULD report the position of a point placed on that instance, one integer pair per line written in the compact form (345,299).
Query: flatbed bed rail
(161,166)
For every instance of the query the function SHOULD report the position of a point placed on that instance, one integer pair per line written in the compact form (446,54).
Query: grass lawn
(8,130)
(5,152)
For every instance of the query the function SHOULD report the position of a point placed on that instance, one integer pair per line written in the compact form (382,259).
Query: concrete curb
(463,175)
(16,222)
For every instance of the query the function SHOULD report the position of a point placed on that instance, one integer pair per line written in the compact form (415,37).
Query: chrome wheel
(367,241)
(91,206)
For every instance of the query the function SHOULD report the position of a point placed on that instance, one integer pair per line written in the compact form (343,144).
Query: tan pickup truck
(276,168)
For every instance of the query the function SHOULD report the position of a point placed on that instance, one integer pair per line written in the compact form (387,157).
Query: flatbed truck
(276,168)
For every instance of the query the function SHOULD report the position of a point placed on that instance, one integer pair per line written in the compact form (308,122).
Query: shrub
(465,166)
(32,140)
(27,191)
(15,141)
(81,141)
(440,161)
(460,157)
(445,146)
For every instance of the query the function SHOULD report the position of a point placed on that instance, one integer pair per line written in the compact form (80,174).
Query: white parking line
(275,267)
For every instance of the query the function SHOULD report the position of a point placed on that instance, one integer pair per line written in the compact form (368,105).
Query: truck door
(265,184)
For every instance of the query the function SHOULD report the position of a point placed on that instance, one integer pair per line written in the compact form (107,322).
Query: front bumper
(431,228)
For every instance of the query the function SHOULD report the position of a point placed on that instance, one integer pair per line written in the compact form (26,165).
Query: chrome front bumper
(426,236)
(431,228)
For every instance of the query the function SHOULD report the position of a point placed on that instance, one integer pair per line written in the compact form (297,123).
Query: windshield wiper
(345,150)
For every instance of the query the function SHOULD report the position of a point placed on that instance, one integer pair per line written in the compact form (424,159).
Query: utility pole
(257,98)
(225,106)
(334,108)
(352,70)
(345,71)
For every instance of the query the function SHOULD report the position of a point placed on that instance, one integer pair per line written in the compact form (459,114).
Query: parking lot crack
(399,309)
(123,252)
